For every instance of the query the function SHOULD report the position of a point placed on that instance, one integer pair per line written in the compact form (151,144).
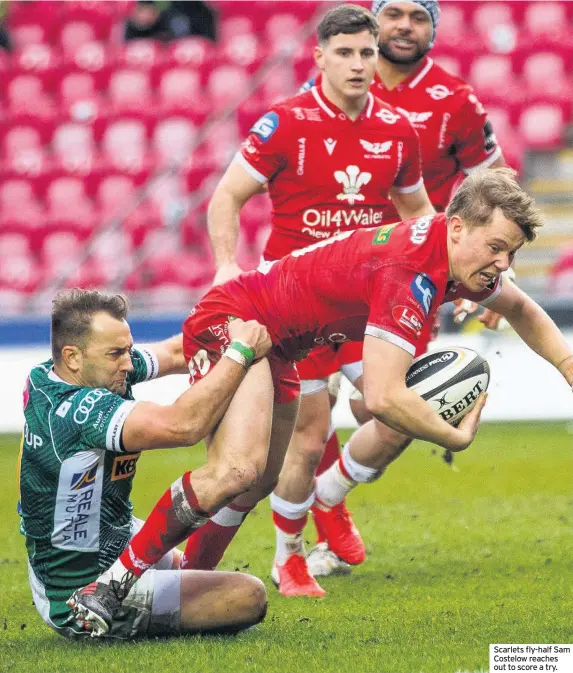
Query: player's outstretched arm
(535,327)
(169,354)
(391,402)
(198,410)
(235,188)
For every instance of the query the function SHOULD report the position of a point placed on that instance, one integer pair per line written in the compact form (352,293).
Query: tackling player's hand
(490,319)
(226,272)
(468,427)
(253,334)
(462,308)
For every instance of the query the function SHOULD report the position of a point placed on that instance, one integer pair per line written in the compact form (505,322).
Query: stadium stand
(110,150)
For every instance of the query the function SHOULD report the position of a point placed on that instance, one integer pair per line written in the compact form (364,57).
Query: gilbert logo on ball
(450,380)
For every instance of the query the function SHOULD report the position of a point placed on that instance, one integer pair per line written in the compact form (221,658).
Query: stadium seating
(87,121)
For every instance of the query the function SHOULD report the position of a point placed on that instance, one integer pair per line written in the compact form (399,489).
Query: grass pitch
(458,558)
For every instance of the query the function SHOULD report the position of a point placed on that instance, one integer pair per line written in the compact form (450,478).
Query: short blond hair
(485,190)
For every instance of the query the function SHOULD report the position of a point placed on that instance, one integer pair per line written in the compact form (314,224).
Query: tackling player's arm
(389,400)
(169,354)
(535,327)
(235,188)
(198,410)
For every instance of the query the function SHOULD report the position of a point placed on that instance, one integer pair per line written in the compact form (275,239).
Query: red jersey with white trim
(386,282)
(326,173)
(455,134)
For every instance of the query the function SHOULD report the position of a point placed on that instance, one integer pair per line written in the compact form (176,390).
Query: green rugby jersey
(75,477)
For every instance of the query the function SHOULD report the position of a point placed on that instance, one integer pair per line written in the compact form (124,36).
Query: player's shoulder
(440,84)
(302,107)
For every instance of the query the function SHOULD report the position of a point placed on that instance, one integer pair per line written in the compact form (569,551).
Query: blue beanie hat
(431,7)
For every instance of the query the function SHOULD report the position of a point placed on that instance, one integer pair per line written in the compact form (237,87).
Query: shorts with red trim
(323,361)
(206,337)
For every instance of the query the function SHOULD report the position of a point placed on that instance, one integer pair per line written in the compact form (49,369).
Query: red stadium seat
(545,77)
(495,23)
(547,23)
(14,243)
(79,97)
(228,85)
(542,126)
(492,76)
(23,151)
(180,89)
(60,245)
(129,89)
(74,148)
(222,142)
(196,52)
(19,272)
(173,140)
(67,202)
(26,34)
(95,58)
(508,138)
(114,194)
(283,32)
(141,54)
(124,145)
(450,63)
(75,34)
(35,58)
(25,93)
(244,50)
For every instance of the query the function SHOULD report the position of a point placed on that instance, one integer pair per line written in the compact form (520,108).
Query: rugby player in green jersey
(83,437)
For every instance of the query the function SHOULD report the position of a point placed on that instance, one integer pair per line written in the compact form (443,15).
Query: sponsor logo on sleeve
(124,466)
(423,291)
(382,235)
(408,318)
(420,228)
(266,126)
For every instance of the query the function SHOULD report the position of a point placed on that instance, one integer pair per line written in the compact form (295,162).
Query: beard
(386,51)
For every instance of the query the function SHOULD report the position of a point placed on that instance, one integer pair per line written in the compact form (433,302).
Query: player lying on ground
(334,158)
(386,283)
(82,440)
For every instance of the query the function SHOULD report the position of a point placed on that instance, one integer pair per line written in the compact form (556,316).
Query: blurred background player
(329,157)
(456,138)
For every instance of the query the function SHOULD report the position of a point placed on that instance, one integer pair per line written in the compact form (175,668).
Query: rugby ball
(449,379)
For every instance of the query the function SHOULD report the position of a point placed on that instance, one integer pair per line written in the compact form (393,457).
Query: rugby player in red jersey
(456,138)
(384,284)
(332,158)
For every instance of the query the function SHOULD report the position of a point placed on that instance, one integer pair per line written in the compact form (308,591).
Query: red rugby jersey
(328,174)
(455,134)
(387,282)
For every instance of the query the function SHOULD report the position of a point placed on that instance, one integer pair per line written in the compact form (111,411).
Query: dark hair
(485,190)
(346,19)
(72,313)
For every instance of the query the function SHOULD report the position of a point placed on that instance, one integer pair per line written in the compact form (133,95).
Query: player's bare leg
(363,460)
(220,602)
(236,461)
(294,495)
(205,548)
